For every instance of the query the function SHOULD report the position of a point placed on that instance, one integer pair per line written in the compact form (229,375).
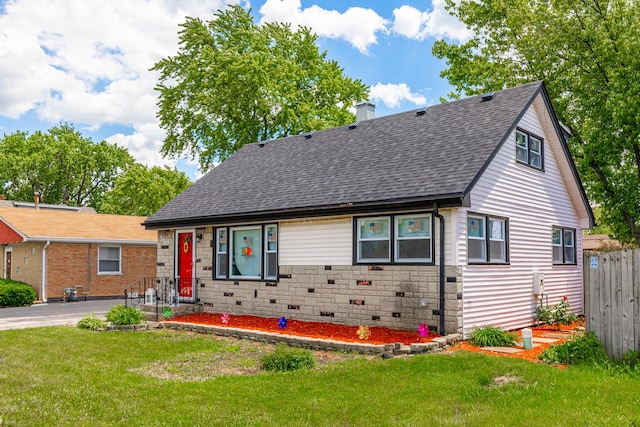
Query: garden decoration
(363,332)
(166,312)
(423,330)
(225,318)
(282,323)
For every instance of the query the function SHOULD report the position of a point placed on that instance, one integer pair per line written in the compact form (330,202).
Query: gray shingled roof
(388,161)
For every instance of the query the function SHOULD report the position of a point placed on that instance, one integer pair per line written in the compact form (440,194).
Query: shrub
(119,315)
(491,336)
(580,349)
(285,358)
(16,294)
(91,322)
(556,315)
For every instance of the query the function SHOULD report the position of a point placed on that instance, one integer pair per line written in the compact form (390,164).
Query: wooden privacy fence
(612,299)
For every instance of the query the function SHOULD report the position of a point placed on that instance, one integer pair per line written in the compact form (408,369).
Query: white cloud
(356,25)
(414,24)
(392,95)
(88,62)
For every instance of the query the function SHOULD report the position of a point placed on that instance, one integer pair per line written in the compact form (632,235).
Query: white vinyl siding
(533,201)
(316,242)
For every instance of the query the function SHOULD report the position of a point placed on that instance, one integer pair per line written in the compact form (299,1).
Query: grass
(68,376)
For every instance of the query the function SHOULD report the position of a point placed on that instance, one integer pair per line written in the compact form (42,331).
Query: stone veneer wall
(381,295)
(352,295)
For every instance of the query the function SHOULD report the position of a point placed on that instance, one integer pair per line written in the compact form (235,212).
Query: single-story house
(54,248)
(452,215)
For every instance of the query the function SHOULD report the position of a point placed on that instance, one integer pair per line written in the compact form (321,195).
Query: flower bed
(531,354)
(323,330)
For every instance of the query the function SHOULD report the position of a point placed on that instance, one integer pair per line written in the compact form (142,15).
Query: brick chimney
(365,111)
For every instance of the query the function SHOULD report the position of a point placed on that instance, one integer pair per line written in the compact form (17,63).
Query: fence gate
(612,299)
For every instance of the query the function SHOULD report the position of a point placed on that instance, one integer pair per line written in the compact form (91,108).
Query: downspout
(43,292)
(436,213)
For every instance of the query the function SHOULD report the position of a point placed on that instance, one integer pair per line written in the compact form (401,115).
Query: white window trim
(106,273)
(562,246)
(540,154)
(487,239)
(218,252)
(231,254)
(397,238)
(360,239)
(267,251)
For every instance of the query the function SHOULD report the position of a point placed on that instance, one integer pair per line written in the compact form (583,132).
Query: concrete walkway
(53,314)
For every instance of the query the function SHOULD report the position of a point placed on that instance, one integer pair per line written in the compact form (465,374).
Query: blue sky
(87,63)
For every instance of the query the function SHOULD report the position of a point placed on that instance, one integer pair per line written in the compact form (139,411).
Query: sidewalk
(53,314)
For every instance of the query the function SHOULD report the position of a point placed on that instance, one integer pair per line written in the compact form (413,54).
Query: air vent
(261,144)
(422,111)
(353,125)
(488,96)
(308,135)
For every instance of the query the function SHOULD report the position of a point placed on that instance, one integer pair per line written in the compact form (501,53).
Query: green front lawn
(67,376)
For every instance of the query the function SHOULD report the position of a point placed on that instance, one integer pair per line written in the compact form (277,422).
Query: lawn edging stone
(438,343)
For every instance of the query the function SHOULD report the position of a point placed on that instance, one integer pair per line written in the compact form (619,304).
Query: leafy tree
(587,53)
(63,166)
(142,191)
(234,82)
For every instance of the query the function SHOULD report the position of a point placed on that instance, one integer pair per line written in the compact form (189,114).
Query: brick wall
(75,265)
(26,264)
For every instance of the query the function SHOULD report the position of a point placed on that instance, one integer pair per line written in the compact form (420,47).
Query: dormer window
(529,149)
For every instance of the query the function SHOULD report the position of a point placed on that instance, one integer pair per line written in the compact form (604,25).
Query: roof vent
(488,96)
(261,144)
(353,125)
(422,111)
(308,134)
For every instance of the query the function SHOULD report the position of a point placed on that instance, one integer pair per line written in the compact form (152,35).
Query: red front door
(185,265)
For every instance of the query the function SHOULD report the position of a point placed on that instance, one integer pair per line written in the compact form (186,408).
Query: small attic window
(308,134)
(422,111)
(353,125)
(488,96)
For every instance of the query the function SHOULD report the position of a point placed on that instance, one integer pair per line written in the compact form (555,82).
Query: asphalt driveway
(53,314)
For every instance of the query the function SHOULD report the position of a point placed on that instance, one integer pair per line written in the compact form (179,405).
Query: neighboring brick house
(450,215)
(57,247)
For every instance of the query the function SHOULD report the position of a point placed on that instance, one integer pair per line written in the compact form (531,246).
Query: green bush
(16,294)
(579,349)
(119,315)
(285,358)
(491,336)
(91,322)
(556,315)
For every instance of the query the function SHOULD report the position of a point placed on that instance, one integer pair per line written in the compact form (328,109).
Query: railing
(160,292)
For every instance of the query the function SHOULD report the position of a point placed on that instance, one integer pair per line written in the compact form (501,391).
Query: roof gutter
(43,292)
(436,213)
(447,200)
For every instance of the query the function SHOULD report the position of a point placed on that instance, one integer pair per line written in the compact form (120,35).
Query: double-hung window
(246,252)
(394,238)
(564,247)
(109,260)
(529,150)
(487,239)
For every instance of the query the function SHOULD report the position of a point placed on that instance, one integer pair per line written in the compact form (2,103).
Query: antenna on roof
(422,111)
(308,134)
(353,125)
(488,96)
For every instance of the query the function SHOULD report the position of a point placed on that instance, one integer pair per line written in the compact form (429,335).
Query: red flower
(566,298)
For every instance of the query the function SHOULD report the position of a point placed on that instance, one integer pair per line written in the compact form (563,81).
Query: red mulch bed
(332,331)
(530,355)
